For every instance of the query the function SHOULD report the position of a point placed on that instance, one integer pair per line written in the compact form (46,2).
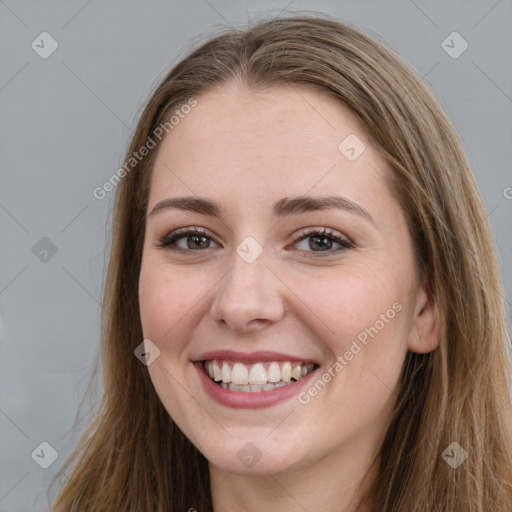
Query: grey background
(65,123)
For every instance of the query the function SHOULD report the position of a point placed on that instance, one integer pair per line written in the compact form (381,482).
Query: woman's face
(271,280)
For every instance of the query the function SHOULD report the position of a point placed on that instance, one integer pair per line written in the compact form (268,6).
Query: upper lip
(251,357)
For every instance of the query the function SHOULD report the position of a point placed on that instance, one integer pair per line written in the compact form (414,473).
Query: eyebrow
(282,208)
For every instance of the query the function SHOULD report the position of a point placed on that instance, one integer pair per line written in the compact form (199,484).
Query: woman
(303,309)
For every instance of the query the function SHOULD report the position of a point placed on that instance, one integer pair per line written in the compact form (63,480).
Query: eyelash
(171,238)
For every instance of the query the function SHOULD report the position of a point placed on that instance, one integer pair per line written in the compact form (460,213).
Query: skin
(245,150)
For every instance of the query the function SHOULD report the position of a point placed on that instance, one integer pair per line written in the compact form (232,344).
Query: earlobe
(426,325)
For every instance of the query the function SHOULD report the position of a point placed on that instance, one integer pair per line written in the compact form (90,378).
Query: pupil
(196,240)
(324,242)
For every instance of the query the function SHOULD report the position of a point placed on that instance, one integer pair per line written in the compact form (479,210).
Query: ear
(426,326)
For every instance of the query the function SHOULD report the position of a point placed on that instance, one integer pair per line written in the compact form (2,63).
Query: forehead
(275,142)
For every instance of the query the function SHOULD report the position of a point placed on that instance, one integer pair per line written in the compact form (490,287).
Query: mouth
(255,380)
(262,376)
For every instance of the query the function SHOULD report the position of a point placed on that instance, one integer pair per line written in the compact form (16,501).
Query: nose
(249,297)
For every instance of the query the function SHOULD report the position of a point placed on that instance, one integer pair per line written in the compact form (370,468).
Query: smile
(261,376)
(253,380)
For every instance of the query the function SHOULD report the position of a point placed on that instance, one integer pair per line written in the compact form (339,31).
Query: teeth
(225,372)
(296,371)
(286,372)
(216,371)
(257,375)
(274,372)
(252,388)
(237,376)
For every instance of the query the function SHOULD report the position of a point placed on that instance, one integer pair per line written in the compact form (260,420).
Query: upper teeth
(259,373)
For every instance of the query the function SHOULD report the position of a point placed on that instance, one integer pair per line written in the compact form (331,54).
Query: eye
(186,239)
(321,242)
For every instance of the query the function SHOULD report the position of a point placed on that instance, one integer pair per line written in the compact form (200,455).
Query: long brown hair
(133,457)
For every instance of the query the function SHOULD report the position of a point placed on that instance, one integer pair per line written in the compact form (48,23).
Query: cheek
(167,315)
(371,320)
(349,302)
(365,328)
(170,301)
(162,302)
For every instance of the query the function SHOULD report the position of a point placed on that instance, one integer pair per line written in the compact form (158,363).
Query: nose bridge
(249,291)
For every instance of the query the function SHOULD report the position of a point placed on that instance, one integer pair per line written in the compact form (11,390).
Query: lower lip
(250,400)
